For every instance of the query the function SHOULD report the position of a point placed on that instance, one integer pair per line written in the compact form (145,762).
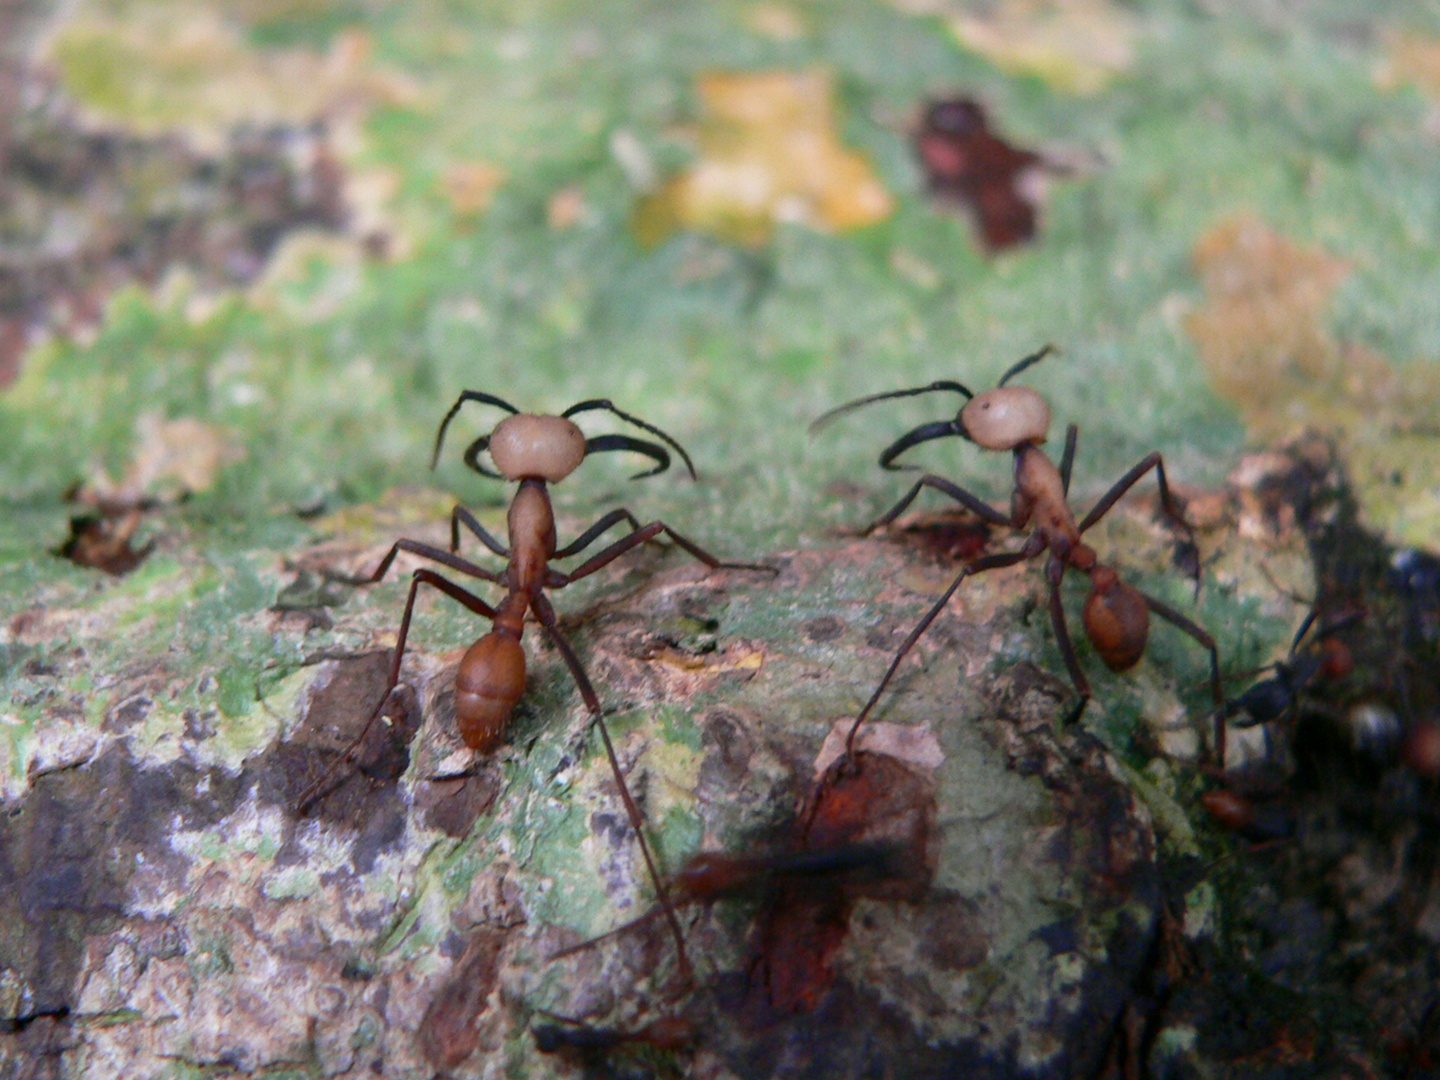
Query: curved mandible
(609,406)
(468,395)
(939,429)
(851,406)
(472,458)
(1033,358)
(601,443)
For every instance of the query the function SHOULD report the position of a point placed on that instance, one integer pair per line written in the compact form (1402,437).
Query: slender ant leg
(973,503)
(1150,461)
(1054,575)
(605,524)
(460,516)
(545,613)
(977,566)
(428,551)
(1067,459)
(1180,622)
(1168,502)
(421,577)
(555,579)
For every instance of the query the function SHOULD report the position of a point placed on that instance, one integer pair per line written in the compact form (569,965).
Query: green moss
(333,381)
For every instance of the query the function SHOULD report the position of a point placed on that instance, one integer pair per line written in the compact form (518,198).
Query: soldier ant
(1016,418)
(533,451)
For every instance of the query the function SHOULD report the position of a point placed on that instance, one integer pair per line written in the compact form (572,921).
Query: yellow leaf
(768,153)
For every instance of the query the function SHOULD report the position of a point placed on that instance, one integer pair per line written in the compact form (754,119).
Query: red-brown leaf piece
(965,162)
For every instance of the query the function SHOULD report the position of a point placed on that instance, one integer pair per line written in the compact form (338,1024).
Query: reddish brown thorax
(1229,808)
(710,875)
(531,522)
(1040,498)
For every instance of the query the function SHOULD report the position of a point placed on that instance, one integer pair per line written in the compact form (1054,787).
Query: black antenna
(468,395)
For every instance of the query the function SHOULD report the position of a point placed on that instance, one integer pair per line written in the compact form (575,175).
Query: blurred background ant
(864,833)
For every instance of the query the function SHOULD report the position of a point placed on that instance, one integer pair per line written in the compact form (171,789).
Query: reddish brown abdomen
(1118,624)
(490,681)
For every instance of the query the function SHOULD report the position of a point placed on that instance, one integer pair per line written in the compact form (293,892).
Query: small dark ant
(711,876)
(1259,809)
(534,451)
(1276,697)
(667,1033)
(1016,418)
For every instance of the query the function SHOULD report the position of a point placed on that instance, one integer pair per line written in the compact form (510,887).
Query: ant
(668,1033)
(533,451)
(1016,418)
(614,1053)
(713,875)
(709,877)
(1258,810)
(1277,697)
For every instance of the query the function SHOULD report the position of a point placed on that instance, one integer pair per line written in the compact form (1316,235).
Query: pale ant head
(529,446)
(549,448)
(1005,418)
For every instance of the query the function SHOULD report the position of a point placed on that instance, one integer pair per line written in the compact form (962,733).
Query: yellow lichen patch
(768,153)
(680,675)
(188,68)
(1076,46)
(672,774)
(1397,479)
(1262,337)
(470,186)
